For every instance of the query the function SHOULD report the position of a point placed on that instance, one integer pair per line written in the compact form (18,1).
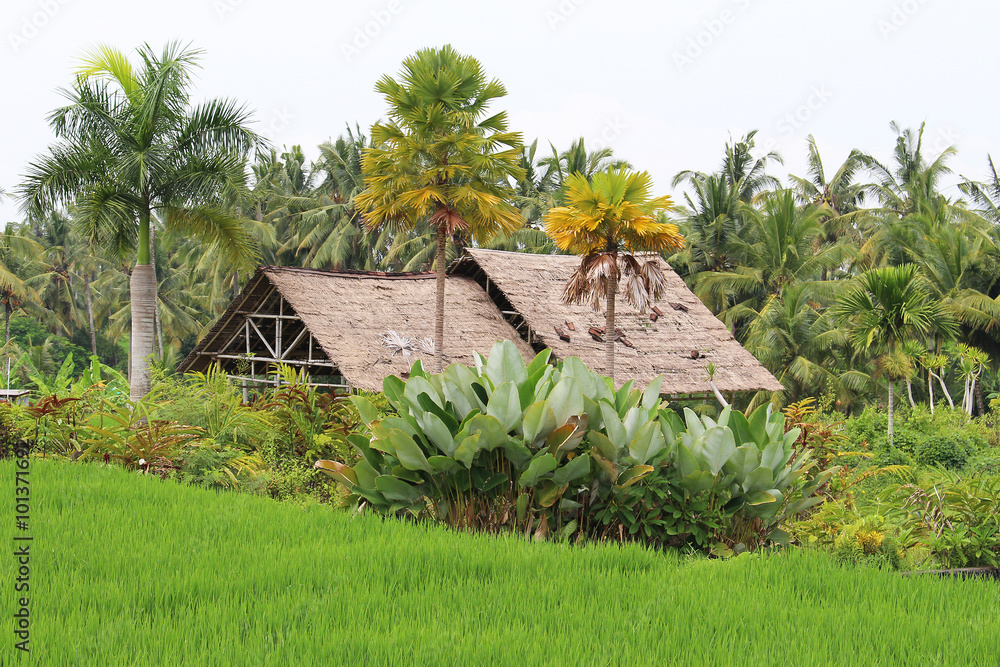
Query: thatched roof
(347,313)
(678,344)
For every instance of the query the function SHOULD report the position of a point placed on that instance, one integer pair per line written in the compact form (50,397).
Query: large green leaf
(603,445)
(439,434)
(760,498)
(407,475)
(758,426)
(366,474)
(416,386)
(492,482)
(575,469)
(651,396)
(462,402)
(718,446)
(505,364)
(567,437)
(686,460)
(647,443)
(362,445)
(635,418)
(465,380)
(538,422)
(540,361)
(761,478)
(394,422)
(626,398)
(744,460)
(428,404)
(538,468)
(393,388)
(517,453)
(549,492)
(443,464)
(527,390)
(629,477)
(492,432)
(694,425)
(741,428)
(774,457)
(698,481)
(408,452)
(566,400)
(505,404)
(366,409)
(613,426)
(397,490)
(467,449)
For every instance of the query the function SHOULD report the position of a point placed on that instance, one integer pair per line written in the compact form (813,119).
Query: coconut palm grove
(523,508)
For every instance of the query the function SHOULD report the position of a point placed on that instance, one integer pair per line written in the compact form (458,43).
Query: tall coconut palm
(742,169)
(132,146)
(776,247)
(606,220)
(440,159)
(885,307)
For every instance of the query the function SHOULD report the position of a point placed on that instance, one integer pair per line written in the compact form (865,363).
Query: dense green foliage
(196,429)
(540,448)
(930,500)
(213,579)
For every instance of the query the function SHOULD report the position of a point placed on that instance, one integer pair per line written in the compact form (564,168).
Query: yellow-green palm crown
(613,212)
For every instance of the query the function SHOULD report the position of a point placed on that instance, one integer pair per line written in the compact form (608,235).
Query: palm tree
(607,219)
(840,193)
(885,307)
(794,337)
(577,159)
(742,171)
(440,160)
(132,147)
(776,247)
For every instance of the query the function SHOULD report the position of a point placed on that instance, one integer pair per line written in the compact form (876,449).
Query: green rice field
(131,570)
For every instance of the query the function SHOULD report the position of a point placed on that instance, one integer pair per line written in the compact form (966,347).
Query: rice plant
(132,570)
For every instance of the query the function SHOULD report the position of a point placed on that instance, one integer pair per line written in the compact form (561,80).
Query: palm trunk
(891,391)
(909,392)
(609,323)
(947,394)
(152,262)
(142,294)
(142,288)
(930,390)
(442,242)
(90,316)
(6,336)
(979,398)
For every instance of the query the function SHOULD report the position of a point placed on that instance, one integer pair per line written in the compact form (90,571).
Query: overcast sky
(665,83)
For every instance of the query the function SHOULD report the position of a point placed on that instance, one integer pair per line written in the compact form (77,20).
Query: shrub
(10,432)
(868,541)
(538,448)
(957,517)
(950,452)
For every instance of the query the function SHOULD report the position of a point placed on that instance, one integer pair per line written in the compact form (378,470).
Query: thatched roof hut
(332,324)
(678,340)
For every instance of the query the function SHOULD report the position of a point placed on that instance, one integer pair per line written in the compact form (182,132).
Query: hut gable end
(337,321)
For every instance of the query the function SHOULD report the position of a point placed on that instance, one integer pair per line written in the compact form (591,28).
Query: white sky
(663,83)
